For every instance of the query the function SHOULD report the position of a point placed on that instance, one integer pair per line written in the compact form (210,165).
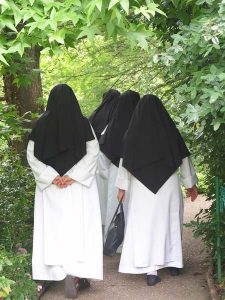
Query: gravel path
(191,285)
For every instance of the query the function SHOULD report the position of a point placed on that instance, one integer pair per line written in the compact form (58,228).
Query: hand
(66,180)
(63,182)
(120,195)
(57,180)
(192,192)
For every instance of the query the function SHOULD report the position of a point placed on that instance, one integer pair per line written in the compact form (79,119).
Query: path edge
(211,285)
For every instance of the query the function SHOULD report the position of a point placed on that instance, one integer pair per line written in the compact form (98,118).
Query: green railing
(220,206)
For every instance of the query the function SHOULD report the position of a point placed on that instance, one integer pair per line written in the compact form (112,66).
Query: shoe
(71,287)
(152,279)
(42,288)
(83,284)
(174,271)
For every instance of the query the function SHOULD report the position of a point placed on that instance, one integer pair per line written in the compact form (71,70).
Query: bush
(16,203)
(16,284)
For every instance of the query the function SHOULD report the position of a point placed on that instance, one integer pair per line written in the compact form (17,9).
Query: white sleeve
(43,174)
(188,174)
(84,171)
(123,177)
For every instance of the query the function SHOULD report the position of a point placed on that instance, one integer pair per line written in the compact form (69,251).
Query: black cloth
(103,114)
(111,142)
(153,147)
(61,133)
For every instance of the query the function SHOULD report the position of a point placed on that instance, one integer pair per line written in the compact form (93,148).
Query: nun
(111,150)
(153,153)
(99,120)
(101,117)
(62,153)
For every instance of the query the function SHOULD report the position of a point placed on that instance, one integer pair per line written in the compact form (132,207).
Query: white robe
(154,227)
(67,237)
(106,179)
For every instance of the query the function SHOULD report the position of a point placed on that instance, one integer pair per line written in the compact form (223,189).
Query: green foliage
(16,284)
(10,124)
(93,67)
(52,23)
(16,204)
(196,60)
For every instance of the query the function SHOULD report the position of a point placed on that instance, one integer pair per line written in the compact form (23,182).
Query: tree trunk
(24,96)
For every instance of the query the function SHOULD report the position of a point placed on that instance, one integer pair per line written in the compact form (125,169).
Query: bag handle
(120,205)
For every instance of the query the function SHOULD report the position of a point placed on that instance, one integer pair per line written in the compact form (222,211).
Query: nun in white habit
(62,153)
(99,120)
(153,152)
(111,150)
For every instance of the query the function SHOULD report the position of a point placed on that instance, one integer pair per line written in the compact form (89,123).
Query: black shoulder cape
(103,114)
(153,147)
(61,133)
(111,143)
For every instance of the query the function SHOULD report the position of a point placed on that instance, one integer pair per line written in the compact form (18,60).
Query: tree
(28,26)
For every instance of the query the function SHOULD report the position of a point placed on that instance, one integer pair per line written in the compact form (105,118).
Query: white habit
(67,222)
(153,232)
(106,179)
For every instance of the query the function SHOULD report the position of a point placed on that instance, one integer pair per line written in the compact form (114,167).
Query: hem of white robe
(59,274)
(135,270)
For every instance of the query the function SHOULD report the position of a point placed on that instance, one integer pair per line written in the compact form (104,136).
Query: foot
(71,287)
(152,279)
(83,284)
(42,287)
(174,271)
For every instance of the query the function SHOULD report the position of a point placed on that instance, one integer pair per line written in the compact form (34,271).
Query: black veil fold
(61,133)
(111,143)
(153,147)
(103,114)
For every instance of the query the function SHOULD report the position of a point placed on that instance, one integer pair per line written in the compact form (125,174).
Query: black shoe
(174,271)
(152,279)
(83,284)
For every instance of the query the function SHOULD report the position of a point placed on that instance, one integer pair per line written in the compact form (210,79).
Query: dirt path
(191,285)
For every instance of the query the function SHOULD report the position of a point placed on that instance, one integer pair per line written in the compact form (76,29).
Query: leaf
(53,13)
(18,47)
(125,5)
(213,69)
(31,2)
(99,5)
(58,37)
(2,59)
(112,3)
(32,25)
(9,23)
(17,18)
(110,28)
(89,32)
(216,125)
(214,97)
(215,40)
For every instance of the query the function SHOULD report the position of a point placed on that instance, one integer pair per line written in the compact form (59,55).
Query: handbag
(115,233)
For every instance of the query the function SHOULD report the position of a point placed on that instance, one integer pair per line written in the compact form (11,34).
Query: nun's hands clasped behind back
(63,181)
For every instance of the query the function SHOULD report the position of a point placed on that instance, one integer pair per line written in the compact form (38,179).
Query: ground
(190,285)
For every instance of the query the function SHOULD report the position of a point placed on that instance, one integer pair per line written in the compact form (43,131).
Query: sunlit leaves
(41,22)
(125,5)
(197,53)
(112,3)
